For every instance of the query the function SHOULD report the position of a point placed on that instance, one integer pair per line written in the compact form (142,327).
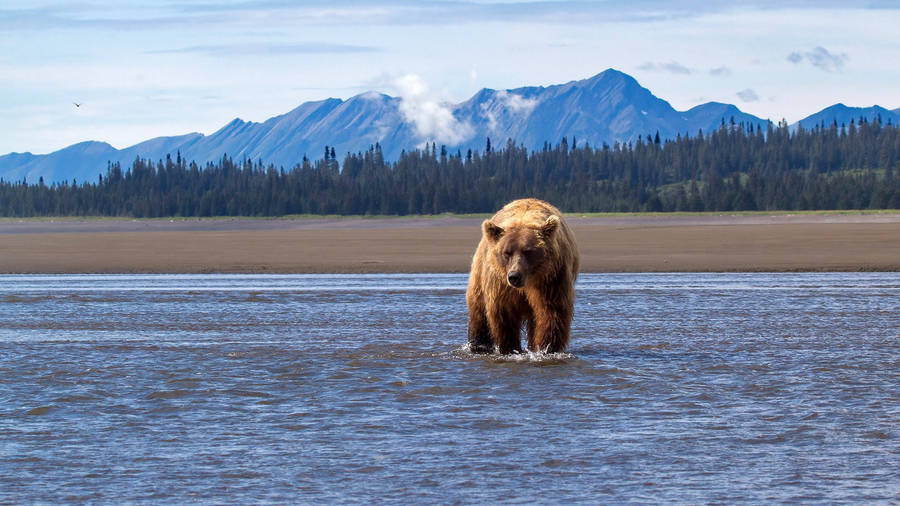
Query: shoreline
(755,242)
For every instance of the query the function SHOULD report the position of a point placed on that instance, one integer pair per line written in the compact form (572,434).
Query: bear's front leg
(505,328)
(480,340)
(548,329)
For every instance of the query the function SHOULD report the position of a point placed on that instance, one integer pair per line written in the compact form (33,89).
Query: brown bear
(523,271)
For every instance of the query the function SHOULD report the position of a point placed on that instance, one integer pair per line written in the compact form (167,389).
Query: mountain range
(607,108)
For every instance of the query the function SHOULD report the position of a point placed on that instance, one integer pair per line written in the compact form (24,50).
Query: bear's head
(522,251)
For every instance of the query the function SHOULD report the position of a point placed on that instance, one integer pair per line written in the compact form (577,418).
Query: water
(679,388)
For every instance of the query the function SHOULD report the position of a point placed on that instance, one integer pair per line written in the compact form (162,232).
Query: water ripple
(677,388)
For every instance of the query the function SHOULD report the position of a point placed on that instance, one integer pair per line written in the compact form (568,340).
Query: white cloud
(432,117)
(672,67)
(504,103)
(748,95)
(820,58)
(490,116)
(517,103)
(268,49)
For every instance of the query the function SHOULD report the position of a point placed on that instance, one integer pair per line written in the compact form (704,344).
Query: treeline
(734,168)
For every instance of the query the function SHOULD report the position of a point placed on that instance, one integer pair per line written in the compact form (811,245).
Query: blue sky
(142,69)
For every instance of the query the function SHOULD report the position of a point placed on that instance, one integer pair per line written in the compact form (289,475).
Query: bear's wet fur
(523,272)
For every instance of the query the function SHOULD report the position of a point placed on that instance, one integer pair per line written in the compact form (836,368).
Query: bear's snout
(515,279)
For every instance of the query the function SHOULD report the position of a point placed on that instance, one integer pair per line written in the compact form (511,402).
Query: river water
(686,388)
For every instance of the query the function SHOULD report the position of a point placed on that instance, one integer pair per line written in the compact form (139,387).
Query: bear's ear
(491,231)
(549,226)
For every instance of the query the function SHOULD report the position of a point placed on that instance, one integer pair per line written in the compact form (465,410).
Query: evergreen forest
(737,167)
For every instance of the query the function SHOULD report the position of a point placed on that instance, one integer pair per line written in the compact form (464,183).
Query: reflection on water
(228,388)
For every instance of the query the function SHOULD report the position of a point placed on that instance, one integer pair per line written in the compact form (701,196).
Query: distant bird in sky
(76,104)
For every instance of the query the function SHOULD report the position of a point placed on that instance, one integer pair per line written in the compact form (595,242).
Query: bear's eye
(507,254)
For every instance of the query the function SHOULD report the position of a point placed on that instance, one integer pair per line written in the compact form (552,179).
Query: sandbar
(620,243)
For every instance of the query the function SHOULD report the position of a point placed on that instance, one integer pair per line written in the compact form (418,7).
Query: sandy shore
(781,242)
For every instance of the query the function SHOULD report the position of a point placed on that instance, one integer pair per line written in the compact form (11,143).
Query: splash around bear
(523,271)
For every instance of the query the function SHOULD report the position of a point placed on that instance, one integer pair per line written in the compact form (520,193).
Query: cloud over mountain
(433,119)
